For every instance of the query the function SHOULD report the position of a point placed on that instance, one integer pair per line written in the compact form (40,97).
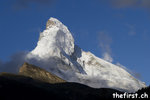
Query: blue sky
(119,29)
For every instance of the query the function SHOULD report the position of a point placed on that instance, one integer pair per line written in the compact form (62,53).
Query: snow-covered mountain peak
(57,53)
(53,22)
(54,40)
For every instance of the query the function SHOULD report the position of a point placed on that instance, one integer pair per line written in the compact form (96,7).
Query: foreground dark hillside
(17,87)
(33,83)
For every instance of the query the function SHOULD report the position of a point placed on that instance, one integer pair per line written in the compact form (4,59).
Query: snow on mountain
(57,53)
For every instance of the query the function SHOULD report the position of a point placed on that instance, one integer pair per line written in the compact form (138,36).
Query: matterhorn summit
(57,53)
(54,40)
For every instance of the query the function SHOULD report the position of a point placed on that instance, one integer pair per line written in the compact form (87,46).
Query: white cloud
(14,64)
(105,45)
(134,73)
(107,57)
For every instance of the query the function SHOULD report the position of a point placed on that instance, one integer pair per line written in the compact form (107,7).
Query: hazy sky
(116,30)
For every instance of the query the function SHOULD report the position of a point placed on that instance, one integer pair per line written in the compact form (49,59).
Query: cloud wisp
(132,31)
(130,3)
(105,45)
(14,64)
(21,4)
(135,74)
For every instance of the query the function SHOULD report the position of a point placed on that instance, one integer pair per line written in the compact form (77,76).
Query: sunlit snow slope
(57,53)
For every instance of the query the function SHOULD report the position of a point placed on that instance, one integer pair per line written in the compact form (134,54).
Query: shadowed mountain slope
(18,87)
(34,83)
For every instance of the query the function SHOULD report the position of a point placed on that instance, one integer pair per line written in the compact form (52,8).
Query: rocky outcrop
(39,74)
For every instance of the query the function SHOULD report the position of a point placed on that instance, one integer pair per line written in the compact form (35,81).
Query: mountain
(56,53)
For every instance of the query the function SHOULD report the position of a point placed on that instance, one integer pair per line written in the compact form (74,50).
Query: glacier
(57,53)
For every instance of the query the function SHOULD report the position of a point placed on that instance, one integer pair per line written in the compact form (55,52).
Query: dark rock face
(39,74)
